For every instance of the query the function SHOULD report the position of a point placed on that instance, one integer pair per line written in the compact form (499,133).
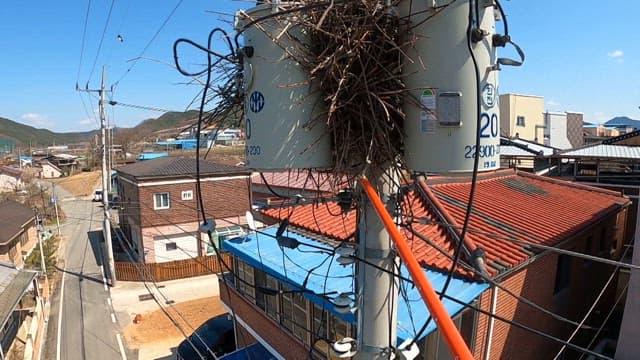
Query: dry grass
(81,184)
(157,330)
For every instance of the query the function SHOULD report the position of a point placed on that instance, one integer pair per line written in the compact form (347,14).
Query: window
(520,121)
(160,201)
(187,195)
(246,282)
(563,273)
(170,246)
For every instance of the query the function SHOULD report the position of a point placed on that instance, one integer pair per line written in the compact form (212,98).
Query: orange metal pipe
(456,344)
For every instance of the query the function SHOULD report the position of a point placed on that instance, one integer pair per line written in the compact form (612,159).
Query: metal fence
(179,269)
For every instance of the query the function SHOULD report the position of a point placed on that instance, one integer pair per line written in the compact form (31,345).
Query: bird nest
(355,59)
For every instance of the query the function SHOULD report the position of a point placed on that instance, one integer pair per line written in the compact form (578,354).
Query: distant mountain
(25,134)
(167,121)
(623,121)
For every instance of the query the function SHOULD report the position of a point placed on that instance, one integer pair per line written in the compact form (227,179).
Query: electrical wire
(592,307)
(104,31)
(495,316)
(147,275)
(84,36)
(476,162)
(153,38)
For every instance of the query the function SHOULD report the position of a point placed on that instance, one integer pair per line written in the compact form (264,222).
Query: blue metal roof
(255,351)
(318,271)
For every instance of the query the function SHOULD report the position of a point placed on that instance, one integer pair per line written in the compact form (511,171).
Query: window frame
(186,195)
(157,206)
(170,246)
(519,122)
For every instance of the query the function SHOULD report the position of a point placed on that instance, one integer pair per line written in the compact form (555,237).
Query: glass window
(187,195)
(520,120)
(245,272)
(160,201)
(170,246)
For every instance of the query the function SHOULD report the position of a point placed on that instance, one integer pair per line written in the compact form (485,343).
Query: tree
(50,248)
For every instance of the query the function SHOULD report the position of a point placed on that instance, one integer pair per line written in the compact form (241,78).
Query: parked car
(97,195)
(216,333)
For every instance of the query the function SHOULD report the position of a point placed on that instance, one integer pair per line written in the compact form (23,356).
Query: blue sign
(256,101)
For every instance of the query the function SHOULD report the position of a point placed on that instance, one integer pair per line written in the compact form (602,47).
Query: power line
(104,31)
(84,35)
(135,61)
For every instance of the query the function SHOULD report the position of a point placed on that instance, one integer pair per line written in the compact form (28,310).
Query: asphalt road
(82,324)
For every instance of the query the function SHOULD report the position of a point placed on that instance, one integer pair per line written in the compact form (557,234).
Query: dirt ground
(80,184)
(156,329)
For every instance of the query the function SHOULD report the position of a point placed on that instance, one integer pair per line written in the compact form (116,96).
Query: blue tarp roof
(320,273)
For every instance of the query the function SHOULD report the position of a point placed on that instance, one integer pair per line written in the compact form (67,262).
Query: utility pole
(54,199)
(106,228)
(105,180)
(377,289)
(39,234)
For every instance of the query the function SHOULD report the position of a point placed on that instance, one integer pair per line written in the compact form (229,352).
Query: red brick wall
(285,344)
(222,199)
(536,282)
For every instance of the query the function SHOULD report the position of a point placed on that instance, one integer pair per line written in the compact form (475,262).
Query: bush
(50,248)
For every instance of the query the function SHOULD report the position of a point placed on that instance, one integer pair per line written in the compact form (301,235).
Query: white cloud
(617,55)
(37,120)
(552,103)
(85,122)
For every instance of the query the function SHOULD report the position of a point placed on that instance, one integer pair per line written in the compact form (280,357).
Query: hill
(25,134)
(623,121)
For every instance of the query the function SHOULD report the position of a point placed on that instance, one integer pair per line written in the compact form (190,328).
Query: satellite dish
(250,221)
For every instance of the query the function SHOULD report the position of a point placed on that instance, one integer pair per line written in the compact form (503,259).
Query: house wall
(529,106)
(222,199)
(226,201)
(575,122)
(21,245)
(536,282)
(283,342)
(9,182)
(556,130)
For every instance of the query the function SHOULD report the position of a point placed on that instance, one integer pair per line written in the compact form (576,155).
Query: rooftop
(13,284)
(13,217)
(178,167)
(508,204)
(318,271)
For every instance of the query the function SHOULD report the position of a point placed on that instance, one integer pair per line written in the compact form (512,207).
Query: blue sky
(581,56)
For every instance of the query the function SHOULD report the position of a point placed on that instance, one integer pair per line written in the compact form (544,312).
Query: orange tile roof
(507,204)
(304,180)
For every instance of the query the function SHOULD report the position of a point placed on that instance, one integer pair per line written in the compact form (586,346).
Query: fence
(180,269)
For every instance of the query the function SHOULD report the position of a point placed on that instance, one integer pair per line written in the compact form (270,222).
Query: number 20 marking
(488,125)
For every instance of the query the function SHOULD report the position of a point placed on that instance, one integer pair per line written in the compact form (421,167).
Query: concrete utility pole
(54,199)
(38,231)
(377,289)
(106,178)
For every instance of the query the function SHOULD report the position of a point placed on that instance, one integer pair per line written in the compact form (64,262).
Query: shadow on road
(96,241)
(81,276)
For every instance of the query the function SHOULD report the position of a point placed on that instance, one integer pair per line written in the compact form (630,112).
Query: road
(82,324)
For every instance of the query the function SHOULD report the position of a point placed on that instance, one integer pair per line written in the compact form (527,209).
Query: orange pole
(456,344)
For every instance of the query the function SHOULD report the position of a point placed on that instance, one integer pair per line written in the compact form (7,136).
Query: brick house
(159,208)
(509,205)
(18,235)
